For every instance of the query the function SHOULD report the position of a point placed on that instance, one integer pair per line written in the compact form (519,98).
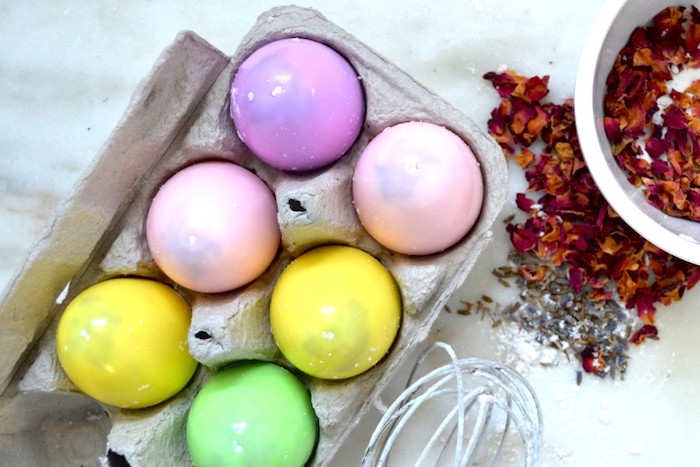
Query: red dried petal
(524,203)
(612,129)
(522,114)
(643,300)
(675,118)
(575,226)
(636,83)
(523,239)
(647,331)
(505,83)
(509,84)
(592,361)
(537,88)
(655,147)
(660,169)
(638,38)
(692,37)
(577,279)
(667,25)
(693,276)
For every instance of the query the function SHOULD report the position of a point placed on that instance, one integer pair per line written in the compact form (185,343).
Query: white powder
(679,82)
(682,79)
(64,293)
(637,448)
(604,414)
(518,349)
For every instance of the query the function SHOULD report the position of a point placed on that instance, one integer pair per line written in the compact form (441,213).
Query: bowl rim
(608,176)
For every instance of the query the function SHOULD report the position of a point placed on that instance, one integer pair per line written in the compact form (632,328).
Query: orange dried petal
(525,158)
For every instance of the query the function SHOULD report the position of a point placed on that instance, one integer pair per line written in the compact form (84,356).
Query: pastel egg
(252,413)
(335,312)
(212,227)
(124,342)
(297,104)
(417,188)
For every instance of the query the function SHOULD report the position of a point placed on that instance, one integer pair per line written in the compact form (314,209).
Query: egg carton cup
(179,115)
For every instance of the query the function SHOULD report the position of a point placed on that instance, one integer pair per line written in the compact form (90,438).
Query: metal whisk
(472,410)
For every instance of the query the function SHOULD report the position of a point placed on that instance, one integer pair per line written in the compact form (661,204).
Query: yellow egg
(124,342)
(335,312)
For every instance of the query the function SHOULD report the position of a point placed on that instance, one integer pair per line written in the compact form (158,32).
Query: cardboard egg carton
(180,115)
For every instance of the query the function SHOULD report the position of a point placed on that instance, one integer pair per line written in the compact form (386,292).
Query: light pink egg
(212,227)
(417,188)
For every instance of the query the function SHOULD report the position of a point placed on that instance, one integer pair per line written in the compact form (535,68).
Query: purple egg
(297,104)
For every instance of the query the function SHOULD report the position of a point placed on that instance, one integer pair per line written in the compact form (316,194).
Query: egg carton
(179,115)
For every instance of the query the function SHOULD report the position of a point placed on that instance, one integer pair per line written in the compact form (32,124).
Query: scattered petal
(579,264)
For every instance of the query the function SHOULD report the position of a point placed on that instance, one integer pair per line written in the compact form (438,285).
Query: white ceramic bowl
(611,30)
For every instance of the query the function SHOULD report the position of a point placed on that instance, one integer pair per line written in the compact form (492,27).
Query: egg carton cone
(179,115)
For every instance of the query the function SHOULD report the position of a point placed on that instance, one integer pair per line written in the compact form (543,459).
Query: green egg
(252,414)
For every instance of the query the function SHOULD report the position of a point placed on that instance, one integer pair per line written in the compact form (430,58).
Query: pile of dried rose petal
(579,266)
(652,120)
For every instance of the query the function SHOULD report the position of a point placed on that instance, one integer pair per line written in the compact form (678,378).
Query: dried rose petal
(522,239)
(524,203)
(675,118)
(612,129)
(652,56)
(570,225)
(504,83)
(655,147)
(536,88)
(647,331)
(592,361)
(525,158)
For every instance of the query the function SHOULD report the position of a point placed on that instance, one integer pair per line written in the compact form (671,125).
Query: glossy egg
(335,312)
(417,188)
(212,227)
(124,342)
(252,414)
(297,104)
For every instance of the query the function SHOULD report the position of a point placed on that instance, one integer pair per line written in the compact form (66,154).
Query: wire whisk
(472,410)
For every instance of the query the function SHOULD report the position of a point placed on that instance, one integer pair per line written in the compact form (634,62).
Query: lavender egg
(297,104)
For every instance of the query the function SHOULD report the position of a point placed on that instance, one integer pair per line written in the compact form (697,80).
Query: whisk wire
(500,388)
(454,366)
(470,399)
(483,417)
(397,421)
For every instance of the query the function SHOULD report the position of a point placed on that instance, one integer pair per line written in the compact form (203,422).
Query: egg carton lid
(178,103)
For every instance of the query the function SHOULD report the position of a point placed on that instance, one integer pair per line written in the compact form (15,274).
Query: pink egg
(297,104)
(417,188)
(212,227)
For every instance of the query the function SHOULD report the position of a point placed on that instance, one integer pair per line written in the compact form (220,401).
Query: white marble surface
(68,68)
